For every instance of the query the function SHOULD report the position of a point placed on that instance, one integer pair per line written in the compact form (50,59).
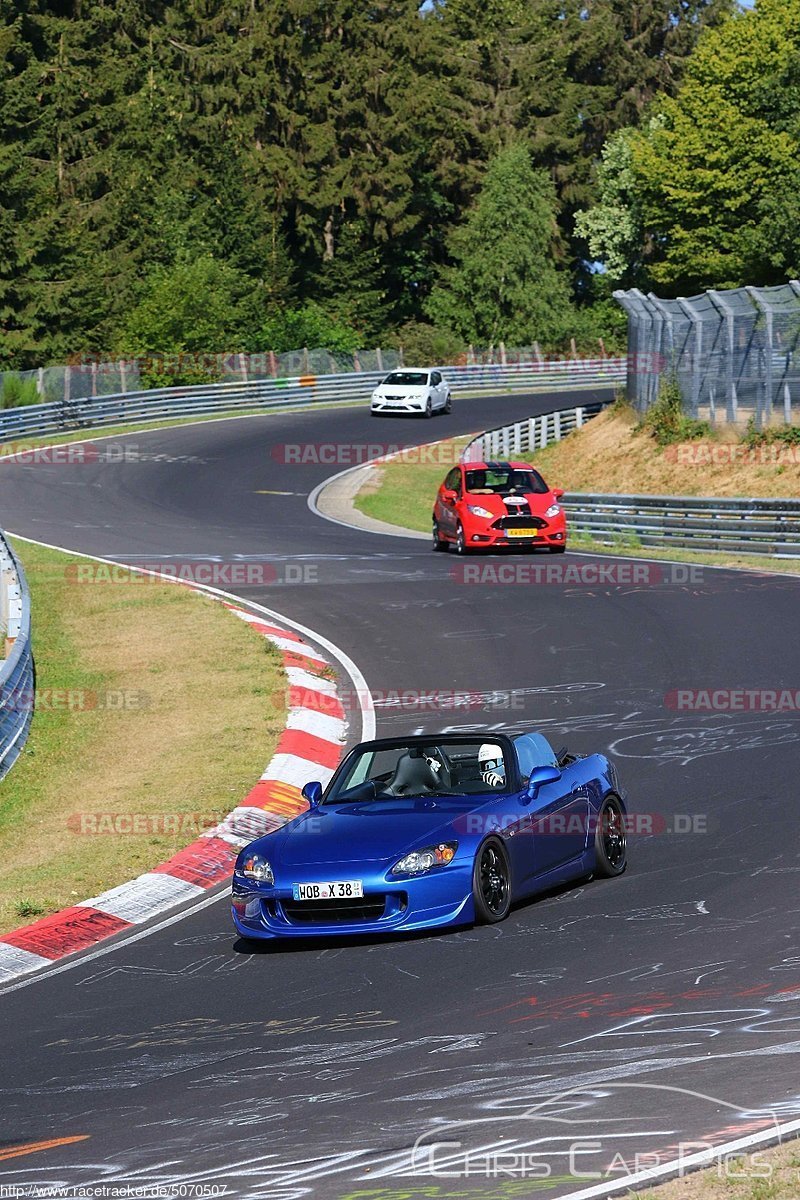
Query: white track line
(692,1162)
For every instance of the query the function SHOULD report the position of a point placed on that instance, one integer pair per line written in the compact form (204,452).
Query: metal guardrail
(17,671)
(749,526)
(524,437)
(165,403)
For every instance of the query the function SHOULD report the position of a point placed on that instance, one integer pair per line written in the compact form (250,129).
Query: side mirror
(312,792)
(540,777)
(448,495)
(558,493)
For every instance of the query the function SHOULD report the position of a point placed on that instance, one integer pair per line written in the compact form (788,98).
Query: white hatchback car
(412,390)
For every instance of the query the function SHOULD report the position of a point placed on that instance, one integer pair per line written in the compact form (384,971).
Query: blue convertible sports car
(429,831)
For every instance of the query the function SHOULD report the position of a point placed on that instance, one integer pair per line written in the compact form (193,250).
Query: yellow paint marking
(32,1147)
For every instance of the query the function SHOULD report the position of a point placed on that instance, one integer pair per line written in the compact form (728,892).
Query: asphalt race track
(616,1019)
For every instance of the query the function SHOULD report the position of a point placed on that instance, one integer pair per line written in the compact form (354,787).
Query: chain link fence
(88,377)
(734,354)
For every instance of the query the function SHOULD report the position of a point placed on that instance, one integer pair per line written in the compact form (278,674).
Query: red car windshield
(504,481)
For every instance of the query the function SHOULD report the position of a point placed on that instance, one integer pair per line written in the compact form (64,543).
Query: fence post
(579,414)
(40,382)
(273,366)
(557,426)
(243,366)
(763,305)
(379,357)
(502,354)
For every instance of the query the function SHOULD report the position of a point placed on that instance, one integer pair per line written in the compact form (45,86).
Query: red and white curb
(310,747)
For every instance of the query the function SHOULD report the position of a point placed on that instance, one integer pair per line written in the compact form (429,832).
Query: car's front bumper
(484,536)
(396,404)
(442,897)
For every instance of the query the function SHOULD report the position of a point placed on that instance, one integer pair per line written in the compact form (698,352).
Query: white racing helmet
(492,764)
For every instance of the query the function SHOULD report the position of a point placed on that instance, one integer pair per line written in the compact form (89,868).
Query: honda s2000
(432,831)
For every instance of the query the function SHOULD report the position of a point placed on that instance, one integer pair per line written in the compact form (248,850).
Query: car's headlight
(255,866)
(422,860)
(477,511)
(553,510)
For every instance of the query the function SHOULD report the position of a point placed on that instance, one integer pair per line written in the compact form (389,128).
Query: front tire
(461,543)
(448,405)
(491,883)
(610,841)
(556,549)
(438,542)
(429,409)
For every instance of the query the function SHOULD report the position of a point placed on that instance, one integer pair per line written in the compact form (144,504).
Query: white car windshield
(406,379)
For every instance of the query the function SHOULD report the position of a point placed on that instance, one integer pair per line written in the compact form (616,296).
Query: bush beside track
(155,712)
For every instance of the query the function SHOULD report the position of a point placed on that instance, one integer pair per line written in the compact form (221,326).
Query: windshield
(504,481)
(406,379)
(446,767)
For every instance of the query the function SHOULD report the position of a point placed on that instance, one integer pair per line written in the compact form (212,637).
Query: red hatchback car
(481,505)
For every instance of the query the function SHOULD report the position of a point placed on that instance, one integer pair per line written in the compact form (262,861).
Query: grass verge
(151,702)
(762,1175)
(402,491)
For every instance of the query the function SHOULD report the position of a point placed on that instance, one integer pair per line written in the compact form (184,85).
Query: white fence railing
(523,437)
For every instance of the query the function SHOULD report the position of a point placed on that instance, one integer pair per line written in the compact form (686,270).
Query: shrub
(18,392)
(307,325)
(666,421)
(788,435)
(426,345)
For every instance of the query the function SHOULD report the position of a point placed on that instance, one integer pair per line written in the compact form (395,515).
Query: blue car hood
(367,831)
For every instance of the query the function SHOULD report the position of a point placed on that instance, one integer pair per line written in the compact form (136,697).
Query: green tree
(196,305)
(504,285)
(708,186)
(306,325)
(612,228)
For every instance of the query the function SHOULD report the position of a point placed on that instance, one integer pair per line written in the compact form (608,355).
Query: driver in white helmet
(492,765)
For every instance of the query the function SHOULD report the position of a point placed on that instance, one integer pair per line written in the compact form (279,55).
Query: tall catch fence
(734,354)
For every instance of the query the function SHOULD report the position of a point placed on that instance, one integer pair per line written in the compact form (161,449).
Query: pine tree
(504,285)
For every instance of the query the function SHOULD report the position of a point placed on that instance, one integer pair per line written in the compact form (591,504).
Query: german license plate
(522,532)
(339,890)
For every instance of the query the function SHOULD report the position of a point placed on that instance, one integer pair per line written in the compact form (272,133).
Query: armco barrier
(164,403)
(16,671)
(749,526)
(741,525)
